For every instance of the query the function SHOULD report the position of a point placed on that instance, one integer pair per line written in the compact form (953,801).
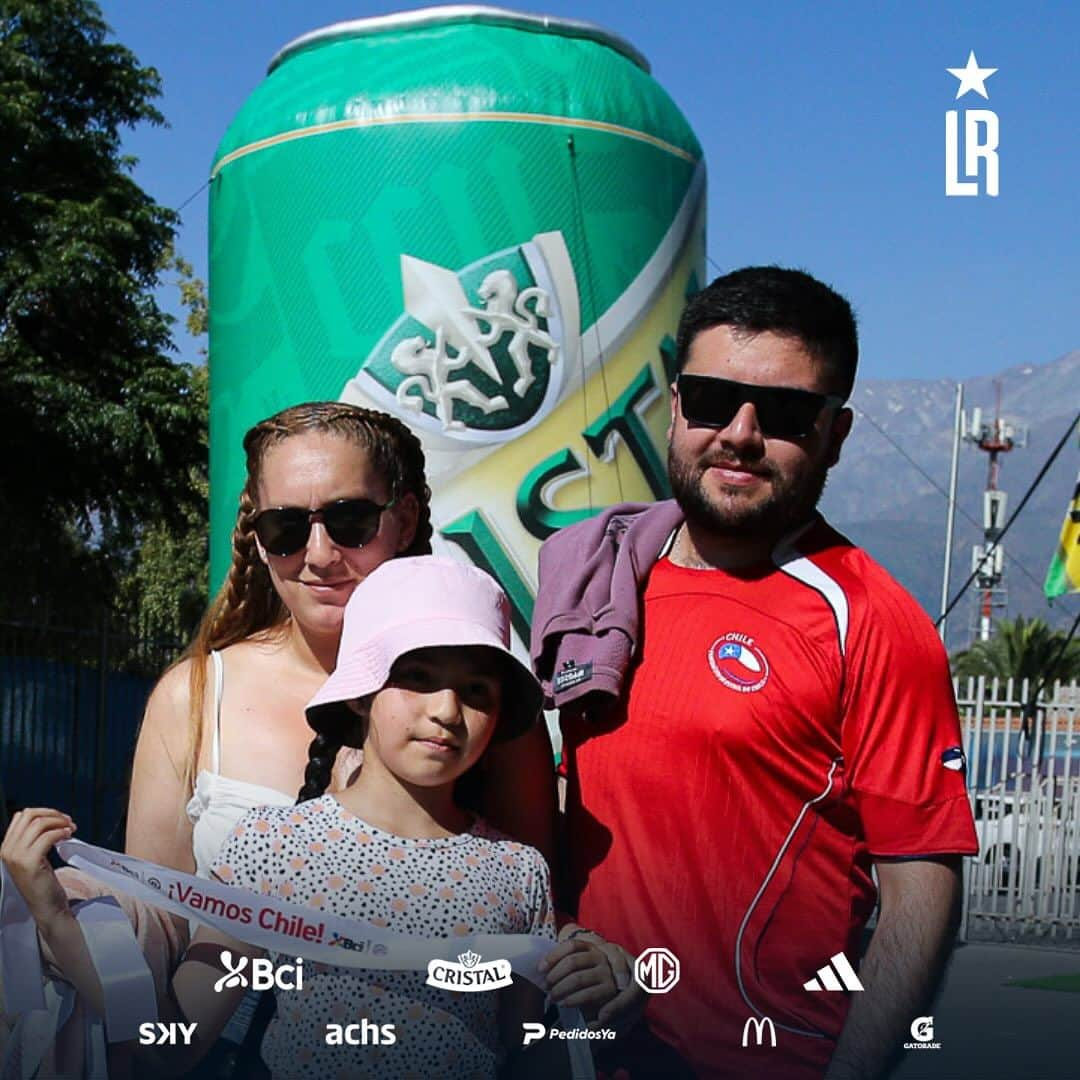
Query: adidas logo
(837,974)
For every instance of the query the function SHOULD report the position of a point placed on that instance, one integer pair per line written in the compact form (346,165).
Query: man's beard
(791,502)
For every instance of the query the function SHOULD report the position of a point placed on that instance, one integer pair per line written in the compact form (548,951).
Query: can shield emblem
(738,663)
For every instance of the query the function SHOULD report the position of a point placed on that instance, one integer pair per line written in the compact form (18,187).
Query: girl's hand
(25,851)
(579,976)
(618,1003)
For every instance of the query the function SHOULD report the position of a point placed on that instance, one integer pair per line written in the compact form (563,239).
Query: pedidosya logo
(738,663)
(469,974)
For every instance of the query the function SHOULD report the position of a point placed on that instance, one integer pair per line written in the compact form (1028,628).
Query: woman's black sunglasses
(783,412)
(351,523)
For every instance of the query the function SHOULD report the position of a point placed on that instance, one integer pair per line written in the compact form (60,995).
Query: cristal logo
(482,353)
(469,974)
(264,974)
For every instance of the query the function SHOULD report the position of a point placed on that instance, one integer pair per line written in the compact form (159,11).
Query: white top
(219,802)
(323,857)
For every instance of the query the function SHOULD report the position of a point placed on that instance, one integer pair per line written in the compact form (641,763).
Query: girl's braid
(322,754)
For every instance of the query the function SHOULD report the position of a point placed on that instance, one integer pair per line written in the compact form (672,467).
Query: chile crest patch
(738,663)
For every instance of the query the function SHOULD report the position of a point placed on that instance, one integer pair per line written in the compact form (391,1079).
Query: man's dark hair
(787,302)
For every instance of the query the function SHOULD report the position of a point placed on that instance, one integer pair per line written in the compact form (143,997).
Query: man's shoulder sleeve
(900,729)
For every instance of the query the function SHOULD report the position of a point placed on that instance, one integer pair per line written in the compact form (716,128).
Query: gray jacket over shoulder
(588,606)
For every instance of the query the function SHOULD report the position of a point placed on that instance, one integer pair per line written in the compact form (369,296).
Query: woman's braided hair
(247,604)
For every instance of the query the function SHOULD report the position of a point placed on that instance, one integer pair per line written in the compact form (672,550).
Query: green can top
(460,13)
(456,63)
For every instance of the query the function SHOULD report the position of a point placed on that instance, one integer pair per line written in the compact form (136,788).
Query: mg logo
(656,971)
(760,1027)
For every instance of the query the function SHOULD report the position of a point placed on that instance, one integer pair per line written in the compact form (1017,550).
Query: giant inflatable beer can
(484,222)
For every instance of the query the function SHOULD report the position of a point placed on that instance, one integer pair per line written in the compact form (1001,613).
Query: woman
(332,491)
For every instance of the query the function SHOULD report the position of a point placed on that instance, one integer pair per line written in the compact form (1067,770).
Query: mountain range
(880,499)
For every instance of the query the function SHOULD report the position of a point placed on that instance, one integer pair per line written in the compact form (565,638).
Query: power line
(937,487)
(1012,517)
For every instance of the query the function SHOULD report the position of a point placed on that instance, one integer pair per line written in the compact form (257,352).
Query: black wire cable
(1032,704)
(194,195)
(1012,517)
(861,411)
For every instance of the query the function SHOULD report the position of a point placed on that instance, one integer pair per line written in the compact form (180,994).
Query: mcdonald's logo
(760,1027)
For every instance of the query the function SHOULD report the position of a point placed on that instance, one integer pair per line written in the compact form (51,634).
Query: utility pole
(950,517)
(994,438)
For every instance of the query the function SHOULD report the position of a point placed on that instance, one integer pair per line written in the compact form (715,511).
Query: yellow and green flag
(1064,573)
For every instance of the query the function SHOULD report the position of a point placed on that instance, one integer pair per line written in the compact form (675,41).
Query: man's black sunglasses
(783,412)
(351,523)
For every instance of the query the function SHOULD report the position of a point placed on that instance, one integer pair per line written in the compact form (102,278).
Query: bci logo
(264,975)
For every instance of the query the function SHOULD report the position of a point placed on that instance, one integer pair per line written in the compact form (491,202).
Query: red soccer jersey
(782,726)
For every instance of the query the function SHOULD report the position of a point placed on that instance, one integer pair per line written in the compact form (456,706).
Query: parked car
(1026,828)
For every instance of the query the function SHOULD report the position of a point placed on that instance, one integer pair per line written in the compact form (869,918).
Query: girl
(424,682)
(332,491)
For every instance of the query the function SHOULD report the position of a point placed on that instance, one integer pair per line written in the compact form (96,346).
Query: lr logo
(980,135)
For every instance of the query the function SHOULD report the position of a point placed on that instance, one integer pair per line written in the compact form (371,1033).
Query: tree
(99,428)
(165,585)
(1021,649)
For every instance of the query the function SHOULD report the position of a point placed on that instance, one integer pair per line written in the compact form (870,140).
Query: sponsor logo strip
(273,924)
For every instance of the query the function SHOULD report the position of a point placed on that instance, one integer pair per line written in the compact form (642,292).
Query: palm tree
(1021,649)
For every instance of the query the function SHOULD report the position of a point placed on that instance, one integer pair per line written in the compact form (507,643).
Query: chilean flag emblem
(738,663)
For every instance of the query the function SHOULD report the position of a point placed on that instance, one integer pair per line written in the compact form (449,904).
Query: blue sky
(823,128)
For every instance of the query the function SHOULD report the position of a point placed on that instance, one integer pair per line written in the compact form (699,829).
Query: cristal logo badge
(480,354)
(469,974)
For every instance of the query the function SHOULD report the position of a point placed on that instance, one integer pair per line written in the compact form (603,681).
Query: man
(780,722)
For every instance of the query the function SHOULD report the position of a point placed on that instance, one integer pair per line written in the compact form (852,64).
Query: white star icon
(972,77)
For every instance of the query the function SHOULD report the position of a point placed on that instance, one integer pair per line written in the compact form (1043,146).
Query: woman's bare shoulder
(170,701)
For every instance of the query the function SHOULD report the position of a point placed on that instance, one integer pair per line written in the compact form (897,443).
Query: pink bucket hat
(416,603)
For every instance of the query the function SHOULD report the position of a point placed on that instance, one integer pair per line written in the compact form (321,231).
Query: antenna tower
(994,438)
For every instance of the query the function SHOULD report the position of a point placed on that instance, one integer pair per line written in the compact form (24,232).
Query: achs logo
(469,974)
(738,663)
(481,354)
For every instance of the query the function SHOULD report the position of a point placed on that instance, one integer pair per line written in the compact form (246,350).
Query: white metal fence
(1023,769)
